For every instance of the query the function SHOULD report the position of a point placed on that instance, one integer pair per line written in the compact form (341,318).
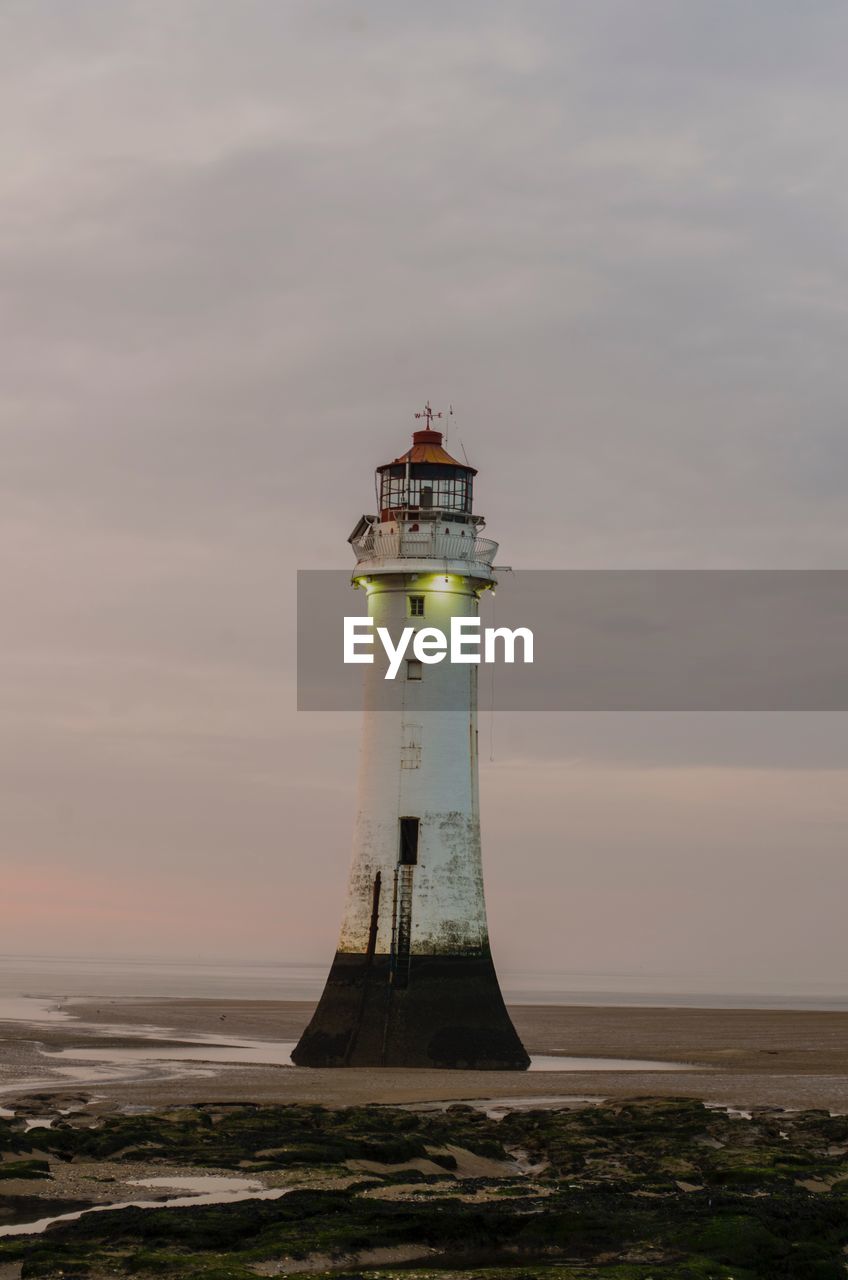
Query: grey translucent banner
(618,640)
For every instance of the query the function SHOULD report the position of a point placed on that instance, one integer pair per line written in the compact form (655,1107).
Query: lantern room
(426,483)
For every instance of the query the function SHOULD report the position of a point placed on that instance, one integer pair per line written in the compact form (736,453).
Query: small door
(408,851)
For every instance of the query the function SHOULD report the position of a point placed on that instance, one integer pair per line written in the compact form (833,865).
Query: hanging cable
(492,693)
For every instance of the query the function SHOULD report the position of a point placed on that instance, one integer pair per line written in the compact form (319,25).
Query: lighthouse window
(416,606)
(410,752)
(414,669)
(425,487)
(408,852)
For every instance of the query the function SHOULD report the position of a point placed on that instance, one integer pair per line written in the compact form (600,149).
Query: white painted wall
(418,759)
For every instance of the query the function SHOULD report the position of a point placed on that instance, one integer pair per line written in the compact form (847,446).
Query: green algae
(626,1191)
(24,1169)
(272,1137)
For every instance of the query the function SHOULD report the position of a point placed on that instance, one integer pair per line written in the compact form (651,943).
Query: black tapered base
(439,1011)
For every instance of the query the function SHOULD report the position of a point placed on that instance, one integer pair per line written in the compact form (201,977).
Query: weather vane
(428,413)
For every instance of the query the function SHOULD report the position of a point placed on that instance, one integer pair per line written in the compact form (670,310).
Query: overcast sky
(241,241)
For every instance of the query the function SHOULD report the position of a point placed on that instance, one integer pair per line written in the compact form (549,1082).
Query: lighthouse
(413,983)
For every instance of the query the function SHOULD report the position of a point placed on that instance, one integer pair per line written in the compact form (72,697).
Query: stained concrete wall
(421,762)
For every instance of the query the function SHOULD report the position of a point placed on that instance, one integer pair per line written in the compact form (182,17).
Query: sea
(67,977)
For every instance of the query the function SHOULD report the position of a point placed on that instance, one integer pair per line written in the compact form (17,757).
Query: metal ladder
(404,924)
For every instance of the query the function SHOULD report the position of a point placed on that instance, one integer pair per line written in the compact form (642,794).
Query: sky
(240,244)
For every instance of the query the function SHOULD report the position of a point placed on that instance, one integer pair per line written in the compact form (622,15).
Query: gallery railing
(423,544)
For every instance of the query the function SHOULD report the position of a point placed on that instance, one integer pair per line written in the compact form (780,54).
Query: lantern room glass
(428,487)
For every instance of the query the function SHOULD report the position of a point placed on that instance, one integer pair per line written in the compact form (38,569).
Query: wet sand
(740,1057)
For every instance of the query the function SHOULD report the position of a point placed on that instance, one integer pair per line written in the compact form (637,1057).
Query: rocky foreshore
(625,1190)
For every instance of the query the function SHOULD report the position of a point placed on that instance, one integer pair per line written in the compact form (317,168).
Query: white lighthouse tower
(413,983)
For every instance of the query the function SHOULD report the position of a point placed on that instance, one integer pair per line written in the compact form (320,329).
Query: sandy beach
(782,1058)
(115,1107)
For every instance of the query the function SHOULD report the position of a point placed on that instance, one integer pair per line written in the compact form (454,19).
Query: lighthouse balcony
(427,543)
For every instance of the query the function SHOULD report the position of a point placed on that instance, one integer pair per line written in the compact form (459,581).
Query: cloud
(241,243)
